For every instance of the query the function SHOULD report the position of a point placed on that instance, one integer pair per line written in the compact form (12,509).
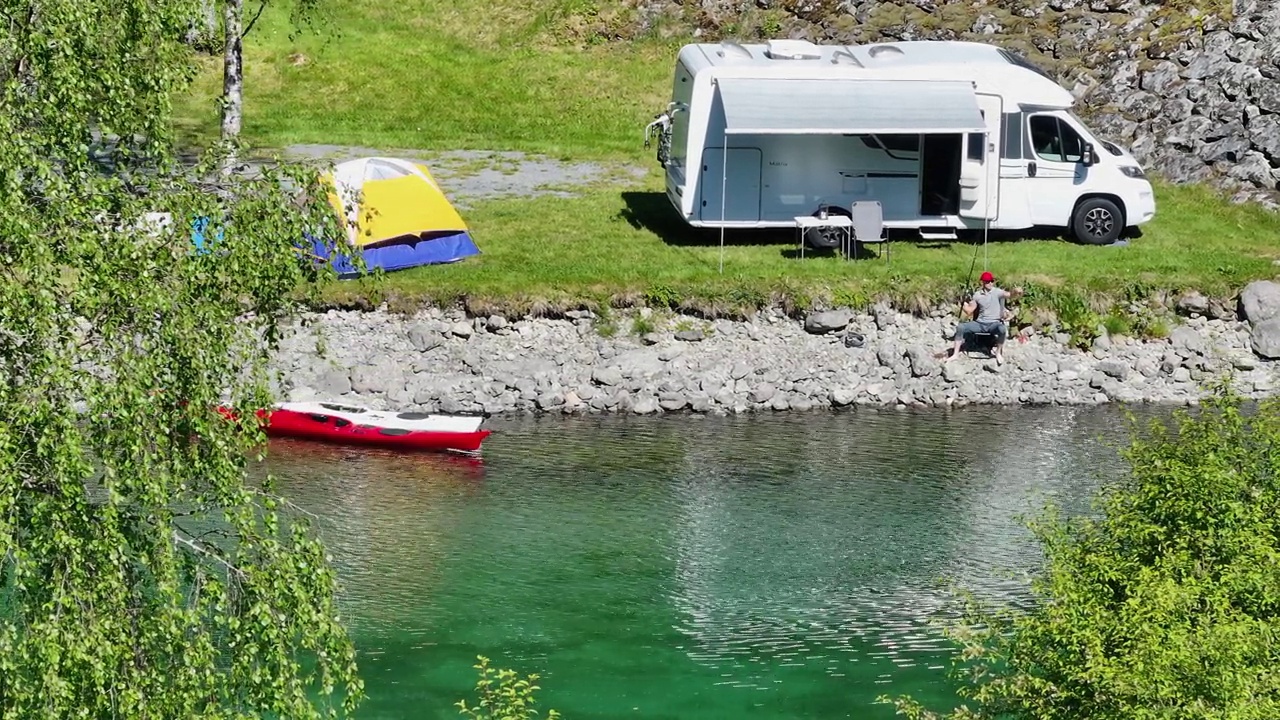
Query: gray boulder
(1193,303)
(334,381)
(827,321)
(550,401)
(1260,301)
(606,376)
(424,337)
(646,406)
(889,354)
(1185,338)
(953,371)
(1220,309)
(763,393)
(1243,362)
(1265,338)
(922,361)
(1114,368)
(885,316)
(843,396)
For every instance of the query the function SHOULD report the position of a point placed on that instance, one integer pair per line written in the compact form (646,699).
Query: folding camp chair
(868,224)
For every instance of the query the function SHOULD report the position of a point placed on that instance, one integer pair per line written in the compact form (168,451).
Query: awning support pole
(986,225)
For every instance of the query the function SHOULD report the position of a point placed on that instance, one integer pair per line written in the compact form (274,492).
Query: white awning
(848,106)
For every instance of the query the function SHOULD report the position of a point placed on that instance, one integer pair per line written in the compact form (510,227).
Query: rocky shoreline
(444,361)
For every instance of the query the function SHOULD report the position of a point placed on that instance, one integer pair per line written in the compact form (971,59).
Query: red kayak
(353,425)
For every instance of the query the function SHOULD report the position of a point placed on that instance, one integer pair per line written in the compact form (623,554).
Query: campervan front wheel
(1097,221)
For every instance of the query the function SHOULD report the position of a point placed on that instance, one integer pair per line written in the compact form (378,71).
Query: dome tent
(395,216)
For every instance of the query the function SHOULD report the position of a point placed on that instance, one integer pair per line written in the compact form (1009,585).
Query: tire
(826,238)
(1097,221)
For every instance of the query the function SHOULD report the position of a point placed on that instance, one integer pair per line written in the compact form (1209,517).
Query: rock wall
(445,361)
(1207,111)
(1192,87)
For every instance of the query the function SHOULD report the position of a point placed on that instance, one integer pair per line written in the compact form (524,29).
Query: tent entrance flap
(848,106)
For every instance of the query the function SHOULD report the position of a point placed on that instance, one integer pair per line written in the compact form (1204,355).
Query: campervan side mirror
(1087,157)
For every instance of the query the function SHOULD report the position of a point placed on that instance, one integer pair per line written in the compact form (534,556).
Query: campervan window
(682,93)
(1011,136)
(898,147)
(1055,140)
(977,146)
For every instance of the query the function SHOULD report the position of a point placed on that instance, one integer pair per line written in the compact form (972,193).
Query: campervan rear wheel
(826,238)
(1097,221)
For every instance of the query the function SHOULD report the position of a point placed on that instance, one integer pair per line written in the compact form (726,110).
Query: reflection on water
(768,567)
(841,557)
(382,515)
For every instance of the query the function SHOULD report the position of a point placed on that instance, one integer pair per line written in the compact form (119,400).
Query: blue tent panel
(199,227)
(402,253)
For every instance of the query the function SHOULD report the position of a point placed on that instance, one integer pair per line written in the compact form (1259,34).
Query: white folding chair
(868,224)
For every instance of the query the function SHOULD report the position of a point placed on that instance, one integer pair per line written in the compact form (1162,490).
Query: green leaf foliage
(503,695)
(141,574)
(1165,604)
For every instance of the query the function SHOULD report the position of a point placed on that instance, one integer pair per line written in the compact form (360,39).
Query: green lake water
(763,567)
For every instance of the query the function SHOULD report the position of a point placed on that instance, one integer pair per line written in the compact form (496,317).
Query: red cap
(987,277)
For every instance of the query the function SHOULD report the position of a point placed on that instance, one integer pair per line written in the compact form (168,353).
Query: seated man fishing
(992,317)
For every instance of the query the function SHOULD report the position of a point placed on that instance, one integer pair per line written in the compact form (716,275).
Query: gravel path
(471,175)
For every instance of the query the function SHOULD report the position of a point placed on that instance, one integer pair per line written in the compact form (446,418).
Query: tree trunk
(233,72)
(203,34)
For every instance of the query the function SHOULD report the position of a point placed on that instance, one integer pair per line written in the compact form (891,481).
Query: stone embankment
(444,361)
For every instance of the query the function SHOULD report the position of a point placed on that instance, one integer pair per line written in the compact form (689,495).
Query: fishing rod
(968,278)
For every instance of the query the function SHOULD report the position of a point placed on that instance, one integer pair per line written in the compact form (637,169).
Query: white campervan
(946,136)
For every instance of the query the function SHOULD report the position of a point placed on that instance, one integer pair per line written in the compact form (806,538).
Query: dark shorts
(971,327)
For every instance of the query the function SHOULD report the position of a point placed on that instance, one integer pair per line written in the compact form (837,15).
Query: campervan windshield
(1110,147)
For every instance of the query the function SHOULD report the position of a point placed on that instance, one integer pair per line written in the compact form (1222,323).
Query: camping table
(838,222)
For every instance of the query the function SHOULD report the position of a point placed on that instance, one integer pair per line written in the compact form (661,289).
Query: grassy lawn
(438,76)
(501,76)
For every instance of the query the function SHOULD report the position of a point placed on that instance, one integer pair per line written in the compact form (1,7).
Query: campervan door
(980,169)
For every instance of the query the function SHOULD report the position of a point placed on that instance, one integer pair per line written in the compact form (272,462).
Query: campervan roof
(995,68)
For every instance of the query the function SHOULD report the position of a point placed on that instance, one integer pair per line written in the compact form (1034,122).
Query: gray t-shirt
(990,304)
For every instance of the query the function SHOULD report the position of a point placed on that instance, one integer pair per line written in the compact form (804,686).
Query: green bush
(1165,604)
(503,695)
(1117,323)
(641,325)
(1071,310)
